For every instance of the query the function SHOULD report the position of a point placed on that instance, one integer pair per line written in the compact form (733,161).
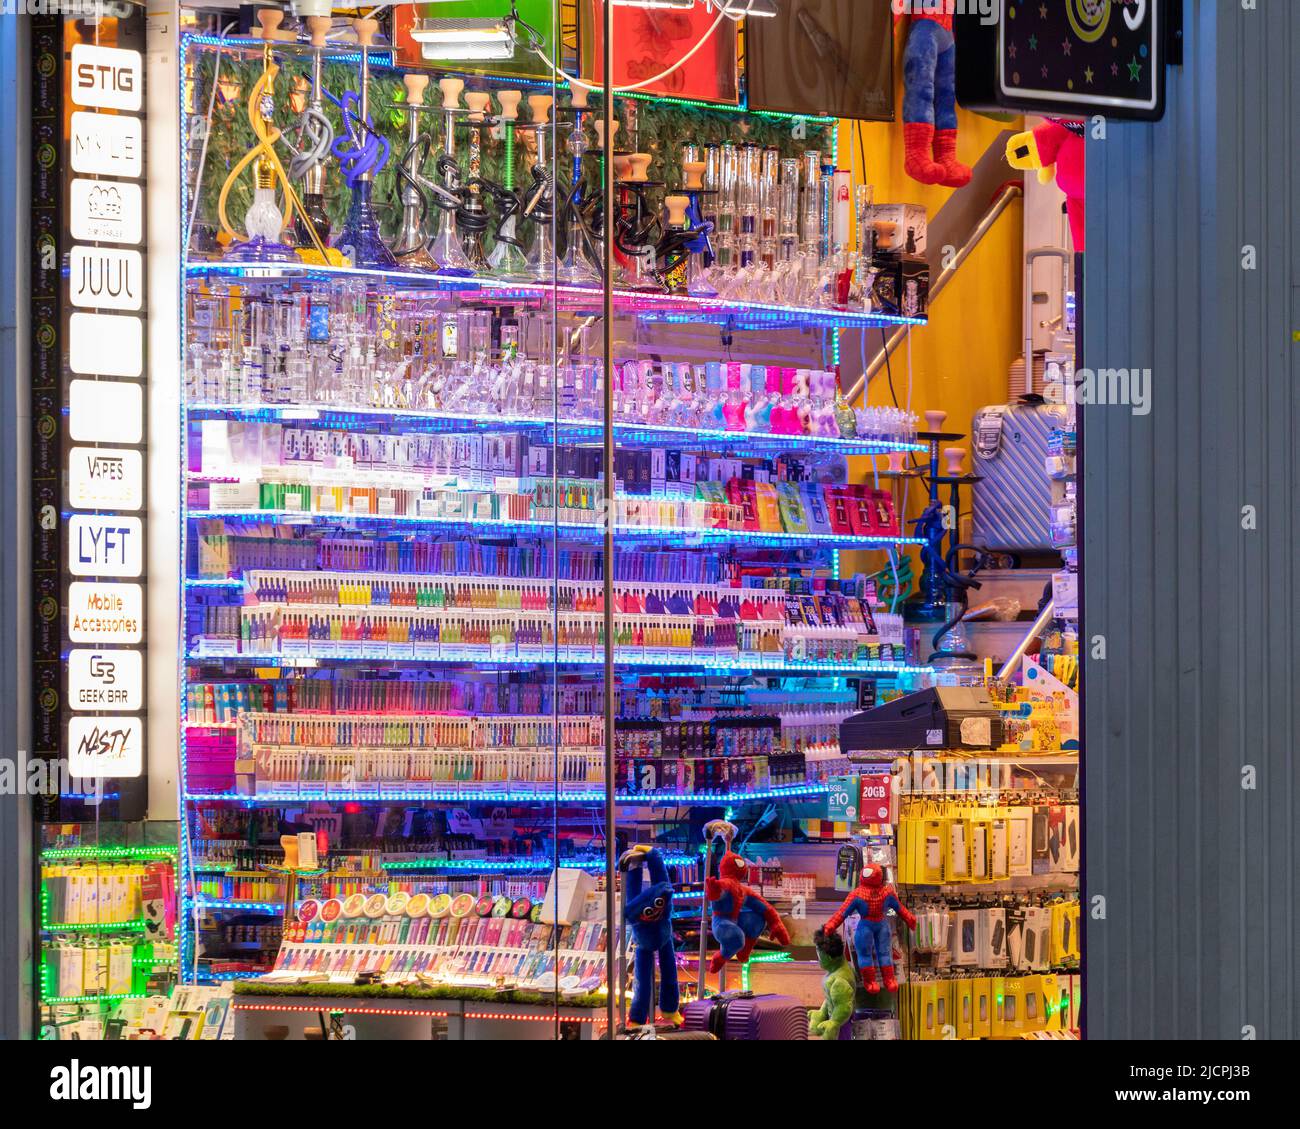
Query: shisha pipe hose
(267,135)
(362,150)
(320,136)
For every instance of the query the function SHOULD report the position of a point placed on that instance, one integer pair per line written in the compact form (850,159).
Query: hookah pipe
(411,240)
(447,249)
(471,215)
(592,212)
(307,162)
(507,257)
(537,201)
(581,258)
(261,106)
(361,154)
(637,229)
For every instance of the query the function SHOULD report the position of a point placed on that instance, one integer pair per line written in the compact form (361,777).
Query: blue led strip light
(281,798)
(568,530)
(685,664)
(628,434)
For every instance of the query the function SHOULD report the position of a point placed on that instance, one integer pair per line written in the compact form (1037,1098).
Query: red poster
(877,803)
(649,41)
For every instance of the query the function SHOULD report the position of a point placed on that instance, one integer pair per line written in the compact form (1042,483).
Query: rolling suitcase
(1011,508)
(737,1016)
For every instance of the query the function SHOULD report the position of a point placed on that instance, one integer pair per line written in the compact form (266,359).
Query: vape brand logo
(103,278)
(105,478)
(101,748)
(105,680)
(106,144)
(107,77)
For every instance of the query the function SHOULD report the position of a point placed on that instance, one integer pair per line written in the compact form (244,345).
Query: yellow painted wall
(959,361)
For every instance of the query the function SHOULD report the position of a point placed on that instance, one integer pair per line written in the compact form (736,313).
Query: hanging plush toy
(1057,143)
(930,101)
(873,940)
(648,913)
(840,987)
(739,914)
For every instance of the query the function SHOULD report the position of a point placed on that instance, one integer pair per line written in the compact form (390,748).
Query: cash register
(942,717)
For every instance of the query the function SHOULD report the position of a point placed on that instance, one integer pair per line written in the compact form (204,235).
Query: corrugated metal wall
(1200,618)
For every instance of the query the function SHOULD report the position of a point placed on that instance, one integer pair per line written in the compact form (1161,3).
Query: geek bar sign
(105,541)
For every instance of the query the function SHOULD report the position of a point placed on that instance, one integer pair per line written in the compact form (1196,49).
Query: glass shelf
(648,305)
(569,530)
(775,665)
(563,431)
(469,793)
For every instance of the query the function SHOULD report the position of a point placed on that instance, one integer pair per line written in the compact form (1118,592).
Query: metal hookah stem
(363,43)
(314,181)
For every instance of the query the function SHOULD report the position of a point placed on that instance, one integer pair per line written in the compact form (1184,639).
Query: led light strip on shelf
(466,793)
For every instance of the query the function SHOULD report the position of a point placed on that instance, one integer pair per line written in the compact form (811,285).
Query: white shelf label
(106,344)
(105,411)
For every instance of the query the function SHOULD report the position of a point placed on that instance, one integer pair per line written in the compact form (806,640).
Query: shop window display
(567,643)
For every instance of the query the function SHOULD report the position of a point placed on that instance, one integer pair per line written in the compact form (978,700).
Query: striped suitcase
(744,1016)
(1012,505)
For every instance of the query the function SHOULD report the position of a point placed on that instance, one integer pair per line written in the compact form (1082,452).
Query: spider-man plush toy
(648,912)
(739,914)
(930,99)
(873,942)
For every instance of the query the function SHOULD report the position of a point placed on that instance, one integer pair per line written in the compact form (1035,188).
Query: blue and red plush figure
(740,914)
(930,98)
(873,940)
(648,912)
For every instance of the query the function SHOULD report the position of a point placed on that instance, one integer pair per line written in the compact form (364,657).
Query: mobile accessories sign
(90,396)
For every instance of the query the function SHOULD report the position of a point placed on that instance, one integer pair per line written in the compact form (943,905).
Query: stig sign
(103,472)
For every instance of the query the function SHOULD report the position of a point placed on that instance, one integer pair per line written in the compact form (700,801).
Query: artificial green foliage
(389,992)
(662,129)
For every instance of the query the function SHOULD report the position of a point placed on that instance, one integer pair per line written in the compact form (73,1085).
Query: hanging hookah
(700,246)
(446,248)
(264,222)
(508,259)
(538,198)
(362,153)
(411,246)
(578,267)
(313,136)
(472,217)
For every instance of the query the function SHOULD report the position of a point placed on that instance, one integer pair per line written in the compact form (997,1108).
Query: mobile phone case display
(108,931)
(395,503)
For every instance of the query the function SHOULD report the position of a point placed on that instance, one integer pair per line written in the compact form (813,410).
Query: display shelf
(648,305)
(53,854)
(94,927)
(557,431)
(568,530)
(237,904)
(506,866)
(774,665)
(486,795)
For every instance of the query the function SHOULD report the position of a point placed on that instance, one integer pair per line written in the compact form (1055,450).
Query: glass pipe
(411,244)
(578,266)
(362,154)
(673,255)
(263,219)
(507,259)
(701,249)
(446,247)
(315,136)
(727,230)
(769,188)
(265,161)
(472,215)
(539,198)
(637,226)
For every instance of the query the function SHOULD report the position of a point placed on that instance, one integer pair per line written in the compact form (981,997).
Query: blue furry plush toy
(648,913)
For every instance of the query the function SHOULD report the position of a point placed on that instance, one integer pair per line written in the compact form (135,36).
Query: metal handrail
(1001,201)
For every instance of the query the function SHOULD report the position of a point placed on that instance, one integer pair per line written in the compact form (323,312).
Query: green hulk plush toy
(840,987)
